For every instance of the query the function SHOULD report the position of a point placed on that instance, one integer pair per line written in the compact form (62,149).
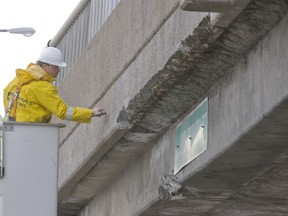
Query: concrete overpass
(150,65)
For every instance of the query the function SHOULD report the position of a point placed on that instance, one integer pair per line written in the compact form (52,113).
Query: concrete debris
(171,189)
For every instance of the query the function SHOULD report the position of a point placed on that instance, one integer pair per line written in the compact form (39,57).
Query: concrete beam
(206,5)
(223,12)
(185,78)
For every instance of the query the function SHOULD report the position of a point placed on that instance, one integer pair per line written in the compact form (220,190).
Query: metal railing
(82,25)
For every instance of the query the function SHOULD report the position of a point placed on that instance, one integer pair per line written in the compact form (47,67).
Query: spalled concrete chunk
(171,189)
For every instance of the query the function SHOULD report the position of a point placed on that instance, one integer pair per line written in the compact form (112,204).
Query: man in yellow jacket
(32,97)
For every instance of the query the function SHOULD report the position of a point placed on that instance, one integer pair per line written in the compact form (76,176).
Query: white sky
(17,51)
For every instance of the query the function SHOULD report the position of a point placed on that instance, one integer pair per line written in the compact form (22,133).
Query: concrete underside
(247,178)
(250,178)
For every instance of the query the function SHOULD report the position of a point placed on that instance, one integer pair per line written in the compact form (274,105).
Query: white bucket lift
(29,169)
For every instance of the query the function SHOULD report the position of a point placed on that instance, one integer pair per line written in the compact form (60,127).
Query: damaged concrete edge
(174,70)
(198,63)
(105,145)
(171,189)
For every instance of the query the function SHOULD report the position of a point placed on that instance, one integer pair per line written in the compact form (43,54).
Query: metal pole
(2,171)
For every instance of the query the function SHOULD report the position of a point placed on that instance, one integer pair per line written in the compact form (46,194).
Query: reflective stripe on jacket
(39,99)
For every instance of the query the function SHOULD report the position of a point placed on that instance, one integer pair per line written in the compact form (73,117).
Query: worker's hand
(98,112)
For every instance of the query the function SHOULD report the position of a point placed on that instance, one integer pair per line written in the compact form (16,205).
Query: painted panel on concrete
(191,136)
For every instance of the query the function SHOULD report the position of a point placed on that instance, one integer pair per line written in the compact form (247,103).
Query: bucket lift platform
(29,169)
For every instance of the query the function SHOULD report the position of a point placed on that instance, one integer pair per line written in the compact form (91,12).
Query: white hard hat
(53,56)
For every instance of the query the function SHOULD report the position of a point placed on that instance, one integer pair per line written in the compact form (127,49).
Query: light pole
(26,31)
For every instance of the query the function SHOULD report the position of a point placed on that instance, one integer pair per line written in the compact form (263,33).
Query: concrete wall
(133,45)
(254,87)
(118,62)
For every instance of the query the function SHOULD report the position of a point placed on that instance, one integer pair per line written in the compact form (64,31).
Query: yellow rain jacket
(38,98)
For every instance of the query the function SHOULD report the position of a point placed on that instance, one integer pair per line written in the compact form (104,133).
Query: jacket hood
(33,72)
